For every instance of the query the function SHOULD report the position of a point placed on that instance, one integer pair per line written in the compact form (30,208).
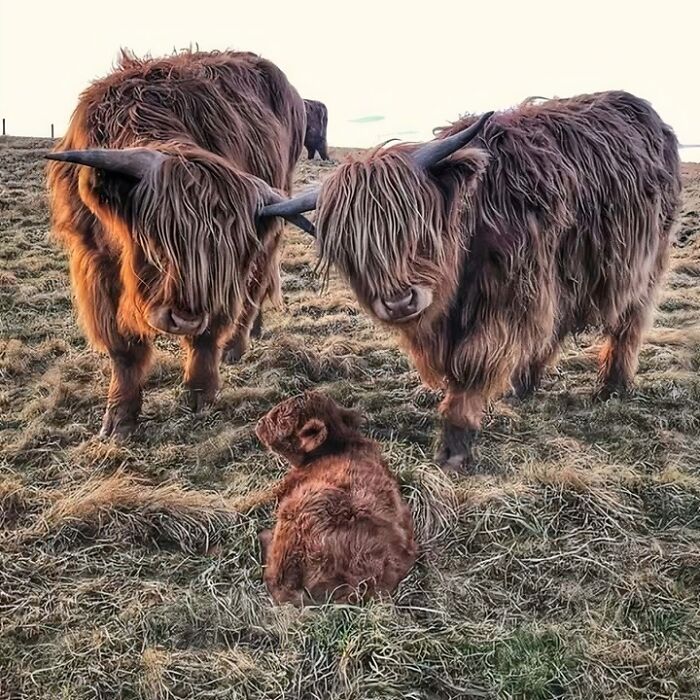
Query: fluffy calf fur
(343,530)
(315,140)
(559,217)
(183,241)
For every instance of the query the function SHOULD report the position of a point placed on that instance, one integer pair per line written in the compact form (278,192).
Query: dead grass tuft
(126,508)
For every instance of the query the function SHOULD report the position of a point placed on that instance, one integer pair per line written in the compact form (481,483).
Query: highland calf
(163,228)
(485,259)
(315,140)
(343,530)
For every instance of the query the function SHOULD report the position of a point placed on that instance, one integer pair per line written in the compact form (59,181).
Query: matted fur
(185,237)
(558,217)
(375,233)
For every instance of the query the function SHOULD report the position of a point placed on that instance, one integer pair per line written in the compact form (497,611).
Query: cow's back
(578,199)
(236,105)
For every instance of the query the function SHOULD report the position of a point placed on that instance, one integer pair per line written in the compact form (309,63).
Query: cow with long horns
(558,217)
(315,139)
(163,228)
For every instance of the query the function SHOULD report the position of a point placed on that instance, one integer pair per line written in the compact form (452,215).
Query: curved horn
(437,149)
(302,222)
(290,207)
(275,201)
(134,162)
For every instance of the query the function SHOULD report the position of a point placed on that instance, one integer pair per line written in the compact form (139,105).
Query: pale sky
(416,64)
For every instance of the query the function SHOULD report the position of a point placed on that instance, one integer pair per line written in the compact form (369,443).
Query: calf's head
(306,426)
(185,222)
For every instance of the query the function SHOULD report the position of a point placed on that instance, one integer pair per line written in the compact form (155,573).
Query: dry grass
(567,566)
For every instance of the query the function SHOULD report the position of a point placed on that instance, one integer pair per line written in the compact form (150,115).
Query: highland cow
(162,229)
(485,259)
(316,126)
(343,531)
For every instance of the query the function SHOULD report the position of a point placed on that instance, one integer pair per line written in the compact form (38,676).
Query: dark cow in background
(485,258)
(162,229)
(316,126)
(342,528)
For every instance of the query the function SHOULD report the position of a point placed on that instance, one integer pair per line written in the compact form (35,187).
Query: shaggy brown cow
(485,259)
(342,528)
(161,229)
(316,126)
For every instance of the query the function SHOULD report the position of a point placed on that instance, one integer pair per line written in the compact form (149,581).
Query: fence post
(52,131)
(3,126)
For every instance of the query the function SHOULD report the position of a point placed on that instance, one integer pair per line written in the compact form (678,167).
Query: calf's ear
(312,435)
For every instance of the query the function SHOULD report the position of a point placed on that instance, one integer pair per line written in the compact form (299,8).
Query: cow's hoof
(610,390)
(456,452)
(520,392)
(454,462)
(234,351)
(117,423)
(199,399)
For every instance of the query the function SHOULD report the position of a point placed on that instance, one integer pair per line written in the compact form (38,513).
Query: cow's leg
(323,150)
(130,362)
(619,355)
(265,540)
(202,368)
(310,152)
(264,282)
(528,377)
(462,411)
(239,342)
(256,330)
(95,281)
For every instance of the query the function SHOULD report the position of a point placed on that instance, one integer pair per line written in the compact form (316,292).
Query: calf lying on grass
(343,531)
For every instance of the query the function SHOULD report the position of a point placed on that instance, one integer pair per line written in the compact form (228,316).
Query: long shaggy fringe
(202,267)
(377,217)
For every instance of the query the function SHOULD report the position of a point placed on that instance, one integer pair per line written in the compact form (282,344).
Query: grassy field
(568,566)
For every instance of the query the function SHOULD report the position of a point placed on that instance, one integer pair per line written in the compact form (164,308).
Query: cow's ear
(312,435)
(461,171)
(112,188)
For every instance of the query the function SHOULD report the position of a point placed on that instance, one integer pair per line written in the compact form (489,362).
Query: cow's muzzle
(170,320)
(404,306)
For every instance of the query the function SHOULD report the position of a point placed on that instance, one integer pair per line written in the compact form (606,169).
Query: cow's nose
(172,320)
(403,304)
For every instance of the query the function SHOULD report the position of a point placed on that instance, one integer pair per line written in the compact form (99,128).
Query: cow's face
(187,234)
(392,230)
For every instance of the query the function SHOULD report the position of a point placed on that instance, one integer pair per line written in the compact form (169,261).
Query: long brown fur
(558,217)
(186,235)
(343,531)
